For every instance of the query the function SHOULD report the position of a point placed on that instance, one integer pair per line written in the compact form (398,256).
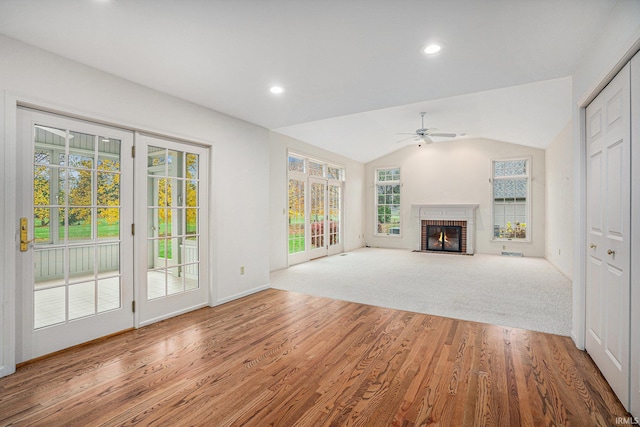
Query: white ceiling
(353,70)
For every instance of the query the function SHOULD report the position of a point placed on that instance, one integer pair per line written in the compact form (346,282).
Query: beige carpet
(521,292)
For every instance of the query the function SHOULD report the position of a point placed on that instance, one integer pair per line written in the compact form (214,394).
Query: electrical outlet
(242,270)
(504,246)
(558,251)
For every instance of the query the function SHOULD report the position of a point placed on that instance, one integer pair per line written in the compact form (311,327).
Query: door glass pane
(49,307)
(296,164)
(174,281)
(108,292)
(156,284)
(172,235)
(192,221)
(316,169)
(296,216)
(108,223)
(191,276)
(108,260)
(192,166)
(76,186)
(81,300)
(317,214)
(335,201)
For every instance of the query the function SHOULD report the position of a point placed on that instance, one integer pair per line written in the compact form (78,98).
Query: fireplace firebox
(444,238)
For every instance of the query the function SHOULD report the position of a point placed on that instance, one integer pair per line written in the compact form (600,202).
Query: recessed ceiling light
(432,48)
(276,89)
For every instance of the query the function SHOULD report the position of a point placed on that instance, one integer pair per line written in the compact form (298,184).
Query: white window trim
(529,177)
(375,201)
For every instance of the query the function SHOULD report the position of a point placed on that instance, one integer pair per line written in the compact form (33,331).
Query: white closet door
(608,233)
(635,228)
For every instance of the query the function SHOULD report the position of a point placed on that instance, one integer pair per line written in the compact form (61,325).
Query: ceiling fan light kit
(423,135)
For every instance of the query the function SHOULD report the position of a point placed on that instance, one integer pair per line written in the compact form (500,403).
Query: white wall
(559,202)
(612,46)
(457,172)
(240,167)
(278,201)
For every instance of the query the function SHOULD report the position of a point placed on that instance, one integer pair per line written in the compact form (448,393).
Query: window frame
(528,202)
(376,184)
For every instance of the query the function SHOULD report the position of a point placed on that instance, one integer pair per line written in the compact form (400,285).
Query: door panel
(317,218)
(172,224)
(594,289)
(608,234)
(595,205)
(334,227)
(73,285)
(616,172)
(296,227)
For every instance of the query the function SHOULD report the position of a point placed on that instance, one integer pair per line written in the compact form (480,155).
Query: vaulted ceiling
(353,70)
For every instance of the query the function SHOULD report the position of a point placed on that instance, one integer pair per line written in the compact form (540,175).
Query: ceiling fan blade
(425,140)
(405,133)
(441,134)
(405,139)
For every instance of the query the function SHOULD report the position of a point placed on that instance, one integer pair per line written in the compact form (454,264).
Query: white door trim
(635,240)
(8,232)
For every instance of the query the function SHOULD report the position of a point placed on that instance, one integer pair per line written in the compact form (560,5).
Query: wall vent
(511,253)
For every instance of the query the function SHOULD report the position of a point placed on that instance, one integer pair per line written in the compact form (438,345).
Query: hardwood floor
(283,358)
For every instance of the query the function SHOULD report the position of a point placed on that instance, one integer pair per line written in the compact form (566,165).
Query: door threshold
(64,350)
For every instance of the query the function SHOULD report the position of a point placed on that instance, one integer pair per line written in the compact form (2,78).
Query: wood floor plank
(287,359)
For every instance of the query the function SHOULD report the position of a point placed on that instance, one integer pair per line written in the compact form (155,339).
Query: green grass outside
(296,243)
(78,231)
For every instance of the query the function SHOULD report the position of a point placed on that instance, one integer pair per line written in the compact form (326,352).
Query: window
(511,200)
(388,201)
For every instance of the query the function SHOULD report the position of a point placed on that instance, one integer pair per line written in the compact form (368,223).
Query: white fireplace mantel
(446,212)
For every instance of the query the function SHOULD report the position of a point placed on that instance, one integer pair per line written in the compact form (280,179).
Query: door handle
(592,246)
(24,239)
(610,252)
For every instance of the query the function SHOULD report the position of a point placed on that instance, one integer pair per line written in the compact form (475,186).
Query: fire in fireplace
(444,238)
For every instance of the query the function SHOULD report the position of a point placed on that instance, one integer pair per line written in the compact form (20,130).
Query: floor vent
(343,254)
(511,253)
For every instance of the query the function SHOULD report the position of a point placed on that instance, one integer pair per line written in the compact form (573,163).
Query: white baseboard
(241,294)
(170,315)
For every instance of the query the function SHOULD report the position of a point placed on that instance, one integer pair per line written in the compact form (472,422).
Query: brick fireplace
(449,215)
(442,228)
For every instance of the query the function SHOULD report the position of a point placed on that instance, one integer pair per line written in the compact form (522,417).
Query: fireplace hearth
(444,238)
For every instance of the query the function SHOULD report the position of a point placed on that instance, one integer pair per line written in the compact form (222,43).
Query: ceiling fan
(423,135)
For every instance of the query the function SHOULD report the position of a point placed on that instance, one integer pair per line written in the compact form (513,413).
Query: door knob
(24,240)
(610,252)
(592,246)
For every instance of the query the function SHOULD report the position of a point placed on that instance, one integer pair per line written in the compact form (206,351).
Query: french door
(315,208)
(171,228)
(317,219)
(75,276)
